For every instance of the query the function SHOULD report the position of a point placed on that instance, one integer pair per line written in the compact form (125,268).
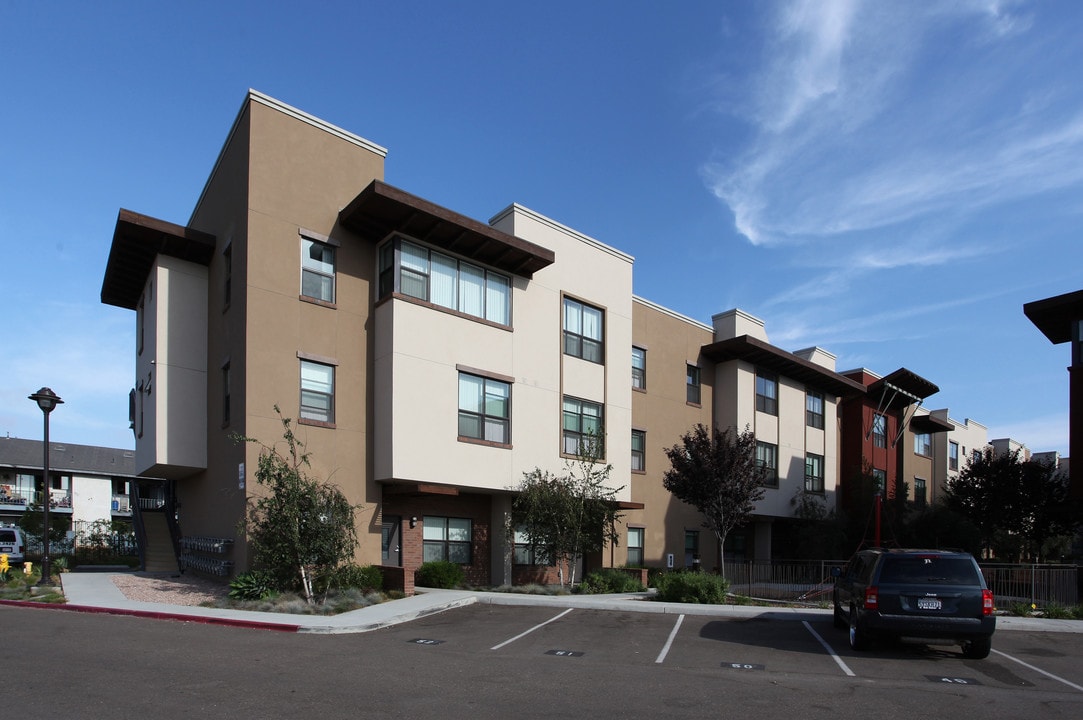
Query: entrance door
(390,542)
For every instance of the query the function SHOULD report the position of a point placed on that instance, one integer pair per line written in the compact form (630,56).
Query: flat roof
(1054,316)
(381,209)
(137,240)
(766,355)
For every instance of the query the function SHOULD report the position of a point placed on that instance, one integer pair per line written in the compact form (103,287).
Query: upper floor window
(442,280)
(766,393)
(583,331)
(317,391)
(447,538)
(317,270)
(953,455)
(639,443)
(484,409)
(814,409)
(814,473)
(692,394)
(767,459)
(923,444)
(639,368)
(583,427)
(879,430)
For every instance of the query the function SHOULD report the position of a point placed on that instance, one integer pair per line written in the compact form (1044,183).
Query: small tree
(716,473)
(567,516)
(302,528)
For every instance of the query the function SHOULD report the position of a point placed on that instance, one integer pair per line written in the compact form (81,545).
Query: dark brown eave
(137,240)
(382,209)
(765,355)
(1054,316)
(930,424)
(914,388)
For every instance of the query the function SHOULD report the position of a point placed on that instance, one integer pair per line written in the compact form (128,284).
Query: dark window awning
(1054,316)
(382,209)
(903,387)
(137,240)
(765,355)
(929,424)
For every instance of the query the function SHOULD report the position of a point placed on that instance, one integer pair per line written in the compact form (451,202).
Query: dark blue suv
(936,596)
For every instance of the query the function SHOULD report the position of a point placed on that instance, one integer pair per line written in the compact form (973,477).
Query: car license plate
(928,603)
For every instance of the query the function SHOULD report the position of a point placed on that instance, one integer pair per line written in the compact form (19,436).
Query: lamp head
(46,399)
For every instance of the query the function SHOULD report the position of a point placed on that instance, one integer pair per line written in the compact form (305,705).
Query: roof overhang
(382,209)
(765,355)
(137,240)
(905,388)
(1054,316)
(930,424)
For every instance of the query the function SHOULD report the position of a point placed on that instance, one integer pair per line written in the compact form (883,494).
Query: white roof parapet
(560,227)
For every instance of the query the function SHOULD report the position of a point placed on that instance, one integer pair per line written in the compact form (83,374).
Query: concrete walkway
(95,592)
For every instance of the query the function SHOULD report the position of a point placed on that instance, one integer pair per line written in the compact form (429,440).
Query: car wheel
(978,648)
(840,619)
(859,639)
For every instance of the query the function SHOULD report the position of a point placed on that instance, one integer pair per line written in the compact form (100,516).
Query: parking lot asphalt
(96,593)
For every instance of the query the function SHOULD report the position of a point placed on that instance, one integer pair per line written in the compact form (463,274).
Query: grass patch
(335,602)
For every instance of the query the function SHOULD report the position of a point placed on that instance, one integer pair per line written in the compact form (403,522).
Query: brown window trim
(485,374)
(440,308)
(487,443)
(317,301)
(692,404)
(315,423)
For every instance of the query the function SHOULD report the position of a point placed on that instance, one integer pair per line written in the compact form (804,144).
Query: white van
(12,544)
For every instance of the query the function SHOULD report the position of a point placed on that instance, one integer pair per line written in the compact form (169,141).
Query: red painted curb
(150,614)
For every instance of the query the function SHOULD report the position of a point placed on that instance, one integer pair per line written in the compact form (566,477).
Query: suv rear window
(932,569)
(7,536)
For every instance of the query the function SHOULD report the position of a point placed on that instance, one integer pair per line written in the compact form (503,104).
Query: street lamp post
(47,400)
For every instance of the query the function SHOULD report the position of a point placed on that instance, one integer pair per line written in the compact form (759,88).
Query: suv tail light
(987,602)
(872,598)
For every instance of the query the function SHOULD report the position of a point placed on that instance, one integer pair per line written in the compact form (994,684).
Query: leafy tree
(716,473)
(302,528)
(567,516)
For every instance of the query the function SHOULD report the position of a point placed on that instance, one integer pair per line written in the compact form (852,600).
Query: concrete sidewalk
(95,592)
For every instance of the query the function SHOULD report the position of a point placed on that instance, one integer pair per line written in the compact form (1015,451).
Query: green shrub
(609,580)
(361,577)
(440,574)
(253,585)
(692,587)
(1020,609)
(1056,611)
(653,574)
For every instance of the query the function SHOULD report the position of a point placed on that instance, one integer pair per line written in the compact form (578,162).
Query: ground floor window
(526,553)
(447,539)
(691,547)
(635,547)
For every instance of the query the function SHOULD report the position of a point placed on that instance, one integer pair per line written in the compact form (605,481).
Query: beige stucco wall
(91,498)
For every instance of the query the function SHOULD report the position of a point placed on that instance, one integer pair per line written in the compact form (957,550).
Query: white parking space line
(669,641)
(524,634)
(829,649)
(1039,670)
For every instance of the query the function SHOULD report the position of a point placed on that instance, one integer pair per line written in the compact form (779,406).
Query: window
(582,427)
(919,490)
(814,409)
(445,538)
(691,549)
(635,547)
(225,394)
(879,431)
(317,391)
(692,379)
(879,480)
(639,443)
(227,269)
(639,368)
(923,444)
(445,281)
(814,473)
(317,270)
(766,393)
(484,409)
(767,458)
(526,553)
(140,323)
(583,331)
(953,455)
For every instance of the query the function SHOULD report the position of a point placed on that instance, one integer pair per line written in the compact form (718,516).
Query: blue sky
(891,181)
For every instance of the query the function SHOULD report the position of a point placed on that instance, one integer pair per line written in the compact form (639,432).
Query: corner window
(814,409)
(953,455)
(814,473)
(635,547)
(639,368)
(583,331)
(879,431)
(484,409)
(433,277)
(639,443)
(766,393)
(583,427)
(446,538)
(923,444)
(767,459)
(692,384)
(317,270)
(317,391)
